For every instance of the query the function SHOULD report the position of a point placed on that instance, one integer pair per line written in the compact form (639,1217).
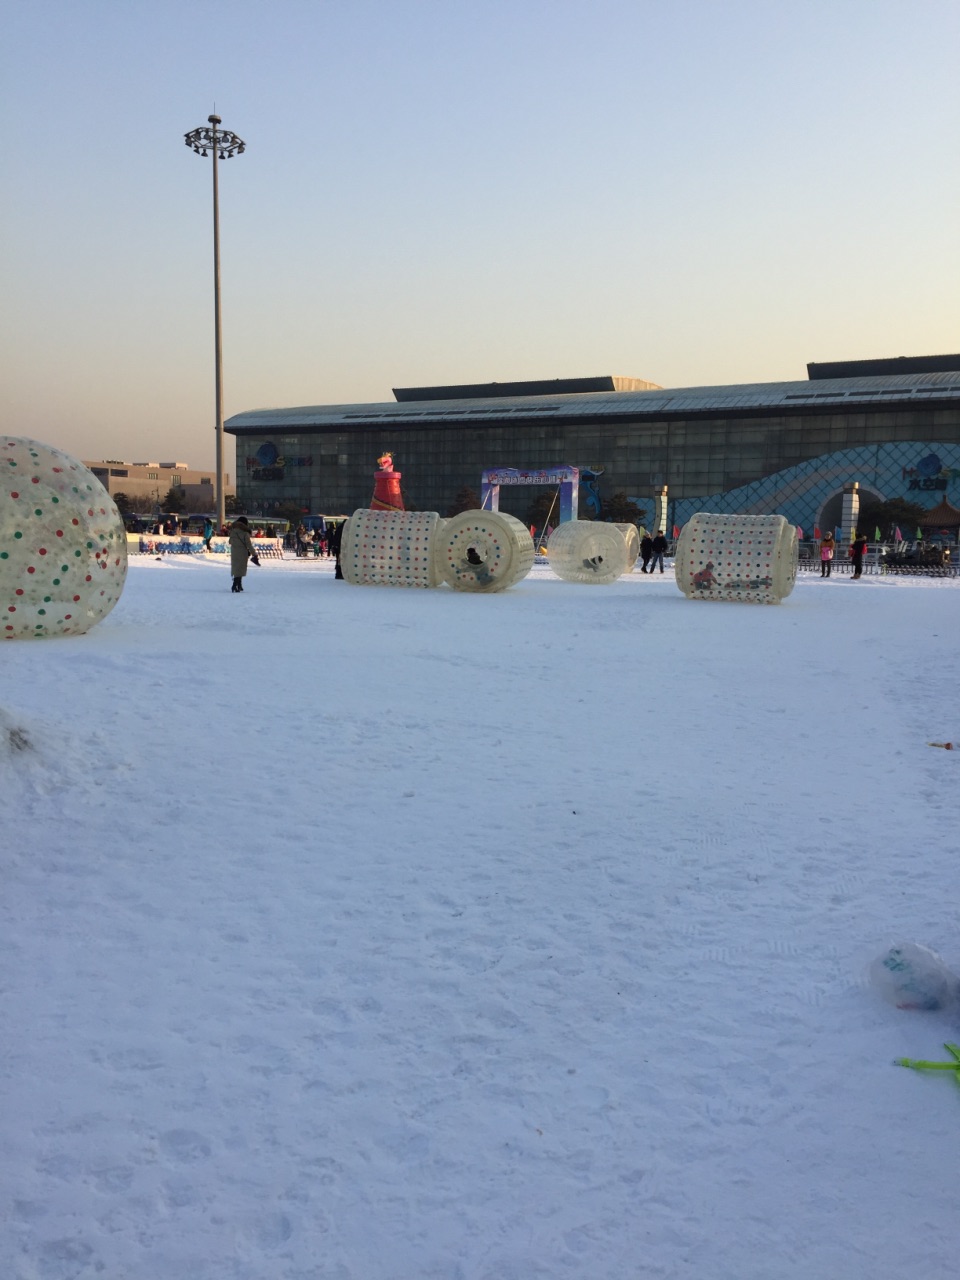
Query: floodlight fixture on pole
(222,145)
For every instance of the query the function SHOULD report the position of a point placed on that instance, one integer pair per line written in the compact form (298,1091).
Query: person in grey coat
(241,551)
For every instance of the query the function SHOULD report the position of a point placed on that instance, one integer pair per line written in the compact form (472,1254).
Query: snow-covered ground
(376,935)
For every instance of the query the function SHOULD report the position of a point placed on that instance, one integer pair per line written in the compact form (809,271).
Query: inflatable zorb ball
(483,551)
(389,549)
(63,547)
(748,558)
(588,551)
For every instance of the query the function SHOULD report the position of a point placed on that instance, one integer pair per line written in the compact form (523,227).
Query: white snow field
(369,934)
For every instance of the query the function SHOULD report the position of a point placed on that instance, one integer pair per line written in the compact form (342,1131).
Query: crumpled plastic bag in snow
(914,977)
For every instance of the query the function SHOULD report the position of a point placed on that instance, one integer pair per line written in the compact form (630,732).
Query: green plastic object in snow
(920,1064)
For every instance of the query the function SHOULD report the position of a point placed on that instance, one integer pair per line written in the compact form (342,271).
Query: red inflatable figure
(386,486)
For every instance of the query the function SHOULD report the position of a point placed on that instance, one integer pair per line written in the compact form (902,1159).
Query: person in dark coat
(646,551)
(659,547)
(334,539)
(241,551)
(856,555)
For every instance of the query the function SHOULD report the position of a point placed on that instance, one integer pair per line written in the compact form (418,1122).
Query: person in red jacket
(826,555)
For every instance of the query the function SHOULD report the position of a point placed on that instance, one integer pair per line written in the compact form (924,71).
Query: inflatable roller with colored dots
(389,548)
(587,551)
(752,559)
(483,551)
(63,548)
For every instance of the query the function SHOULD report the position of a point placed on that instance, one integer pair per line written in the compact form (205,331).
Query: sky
(688,192)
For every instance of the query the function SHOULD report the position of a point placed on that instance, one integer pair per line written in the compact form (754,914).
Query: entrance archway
(568,478)
(830,515)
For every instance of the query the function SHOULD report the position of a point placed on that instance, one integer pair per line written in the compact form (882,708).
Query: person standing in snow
(646,551)
(659,547)
(241,551)
(826,555)
(207,533)
(856,555)
(334,539)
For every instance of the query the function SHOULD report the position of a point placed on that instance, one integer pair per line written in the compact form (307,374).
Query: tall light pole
(222,145)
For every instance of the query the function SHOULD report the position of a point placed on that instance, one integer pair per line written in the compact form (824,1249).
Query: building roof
(942,516)
(904,391)
(544,387)
(883,368)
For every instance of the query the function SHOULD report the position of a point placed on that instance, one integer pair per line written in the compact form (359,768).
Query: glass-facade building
(762,448)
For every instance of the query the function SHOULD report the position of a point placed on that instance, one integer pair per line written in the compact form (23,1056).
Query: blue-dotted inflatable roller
(390,549)
(752,559)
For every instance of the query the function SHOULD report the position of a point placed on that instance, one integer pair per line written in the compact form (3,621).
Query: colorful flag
(897,534)
(816,532)
(800,532)
(838,533)
(876,535)
(676,531)
(919,536)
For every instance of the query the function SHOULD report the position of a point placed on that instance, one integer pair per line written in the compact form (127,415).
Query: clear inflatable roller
(587,551)
(483,551)
(632,538)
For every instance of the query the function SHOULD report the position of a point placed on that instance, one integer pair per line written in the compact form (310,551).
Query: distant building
(784,447)
(153,480)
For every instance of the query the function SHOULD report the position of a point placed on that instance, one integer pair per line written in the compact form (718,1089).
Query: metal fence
(876,561)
